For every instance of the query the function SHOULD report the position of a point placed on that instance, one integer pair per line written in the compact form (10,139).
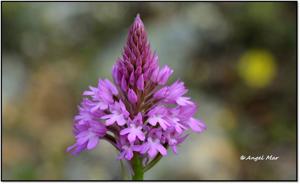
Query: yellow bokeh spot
(257,68)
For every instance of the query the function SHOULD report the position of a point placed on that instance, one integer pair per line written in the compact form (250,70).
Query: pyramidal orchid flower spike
(139,114)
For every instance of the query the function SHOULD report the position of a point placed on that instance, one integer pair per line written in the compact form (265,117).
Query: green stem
(137,168)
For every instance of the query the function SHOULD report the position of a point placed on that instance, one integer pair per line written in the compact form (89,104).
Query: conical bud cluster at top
(134,69)
(139,114)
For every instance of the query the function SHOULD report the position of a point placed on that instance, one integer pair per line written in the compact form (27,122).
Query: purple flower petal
(164,75)
(92,143)
(132,97)
(196,125)
(140,83)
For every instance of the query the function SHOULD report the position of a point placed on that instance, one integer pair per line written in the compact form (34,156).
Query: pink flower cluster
(139,114)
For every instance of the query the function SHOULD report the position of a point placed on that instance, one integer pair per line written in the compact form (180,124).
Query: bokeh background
(237,59)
